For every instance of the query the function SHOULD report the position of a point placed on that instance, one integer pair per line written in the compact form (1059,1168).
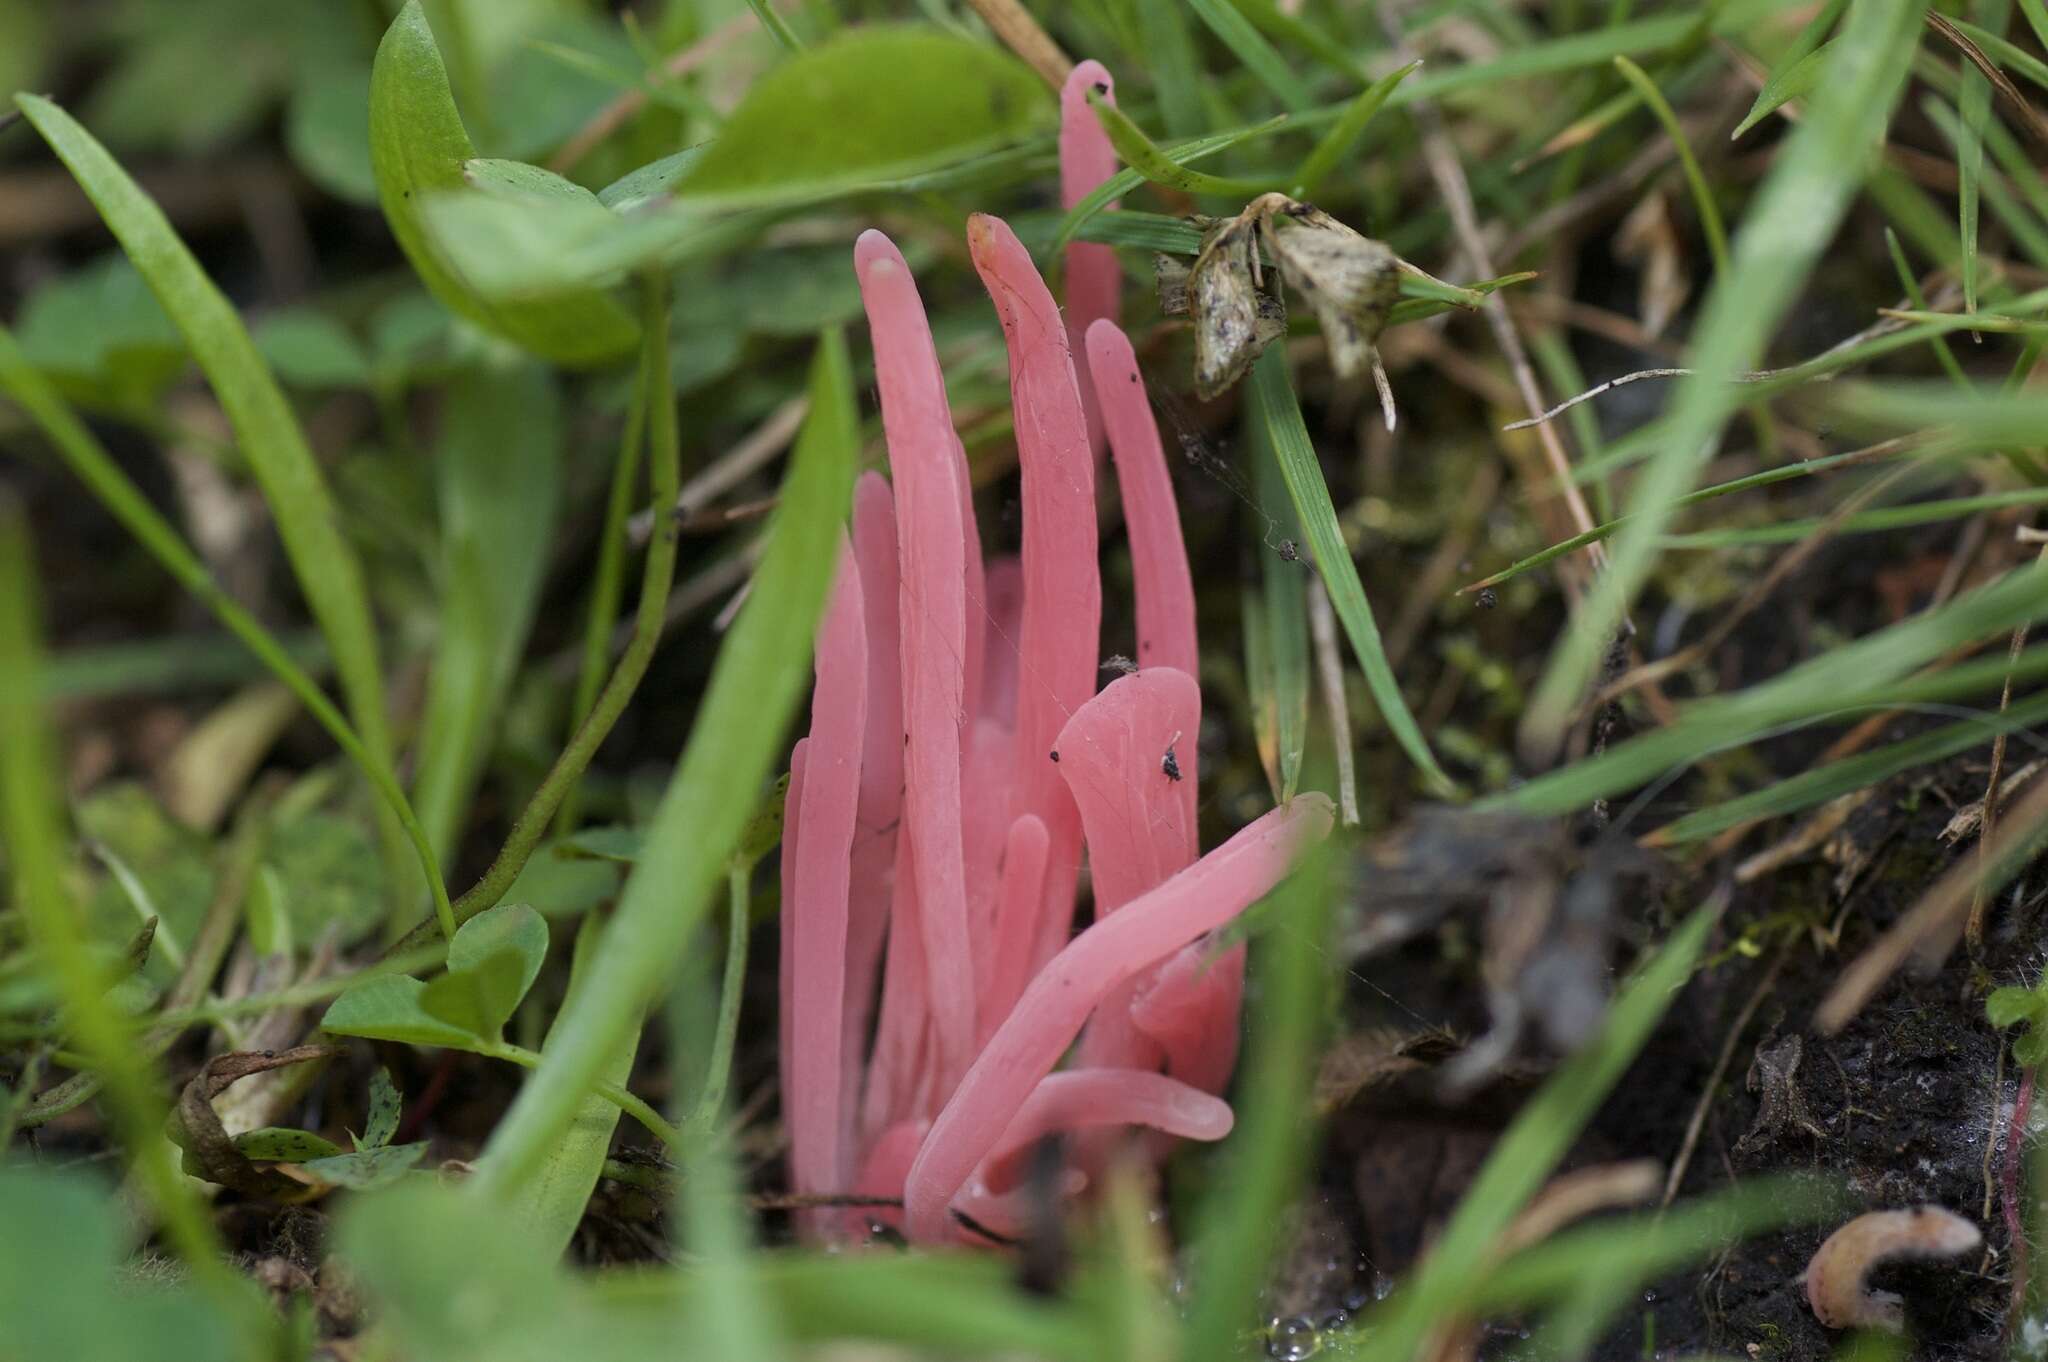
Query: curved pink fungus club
(960,760)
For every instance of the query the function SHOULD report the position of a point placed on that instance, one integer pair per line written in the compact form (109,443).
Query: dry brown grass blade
(1020,32)
(2030,117)
(1928,931)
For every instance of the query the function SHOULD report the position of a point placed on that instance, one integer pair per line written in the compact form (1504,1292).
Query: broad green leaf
(760,673)
(654,180)
(457,1278)
(493,960)
(63,1293)
(518,179)
(327,135)
(382,1122)
(550,1205)
(419,147)
(100,334)
(281,1144)
(2030,1050)
(332,879)
(265,428)
(389,1008)
(874,101)
(499,479)
(2008,1005)
(312,350)
(1276,414)
(366,1170)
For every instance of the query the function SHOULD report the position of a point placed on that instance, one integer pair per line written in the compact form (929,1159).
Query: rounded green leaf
(418,147)
(874,100)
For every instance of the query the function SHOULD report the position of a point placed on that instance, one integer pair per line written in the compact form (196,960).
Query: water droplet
(1332,1319)
(1292,1339)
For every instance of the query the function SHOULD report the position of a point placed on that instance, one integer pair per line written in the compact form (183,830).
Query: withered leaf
(1349,280)
(1234,318)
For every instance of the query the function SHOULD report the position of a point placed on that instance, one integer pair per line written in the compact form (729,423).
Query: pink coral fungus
(958,761)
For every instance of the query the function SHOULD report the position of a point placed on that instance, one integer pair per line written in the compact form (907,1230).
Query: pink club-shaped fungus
(959,760)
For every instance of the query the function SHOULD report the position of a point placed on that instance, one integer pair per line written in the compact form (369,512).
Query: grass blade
(30,799)
(500,477)
(1275,412)
(1793,218)
(126,502)
(1343,135)
(1259,57)
(1285,617)
(551,1204)
(1823,783)
(1529,1151)
(1861,673)
(755,685)
(1177,76)
(1702,196)
(1142,155)
(1124,181)
(1240,1222)
(267,432)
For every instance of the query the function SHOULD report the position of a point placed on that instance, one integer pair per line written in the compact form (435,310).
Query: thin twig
(753,452)
(1449,174)
(607,120)
(1693,1127)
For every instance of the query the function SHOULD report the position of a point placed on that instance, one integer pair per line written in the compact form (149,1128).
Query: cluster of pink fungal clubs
(960,759)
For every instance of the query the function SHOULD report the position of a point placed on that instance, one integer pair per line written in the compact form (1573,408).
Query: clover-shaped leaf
(493,960)
(368,1169)
(2014,1006)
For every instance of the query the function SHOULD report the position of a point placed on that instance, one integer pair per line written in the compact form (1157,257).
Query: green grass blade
(552,1201)
(1945,356)
(608,584)
(126,502)
(1177,76)
(1259,57)
(265,428)
(499,474)
(1124,181)
(657,574)
(755,685)
(418,147)
(1275,412)
(1529,1151)
(1792,220)
(1823,783)
(31,805)
(1269,1151)
(1795,69)
(1285,617)
(1865,672)
(1696,181)
(1142,155)
(1284,27)
(1343,135)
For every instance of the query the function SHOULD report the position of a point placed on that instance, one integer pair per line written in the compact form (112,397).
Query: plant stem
(718,1072)
(609,586)
(666,471)
(611,1092)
